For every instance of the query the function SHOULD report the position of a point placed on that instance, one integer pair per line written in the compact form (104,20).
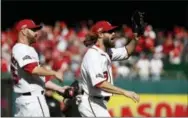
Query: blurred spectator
(168,45)
(158,52)
(143,67)
(61,47)
(6,47)
(120,42)
(127,31)
(123,71)
(160,38)
(4,66)
(149,44)
(149,32)
(156,66)
(140,45)
(175,54)
(179,33)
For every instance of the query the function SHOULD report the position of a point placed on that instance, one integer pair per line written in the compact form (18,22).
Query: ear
(100,35)
(24,31)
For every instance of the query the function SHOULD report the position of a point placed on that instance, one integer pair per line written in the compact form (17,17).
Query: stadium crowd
(61,48)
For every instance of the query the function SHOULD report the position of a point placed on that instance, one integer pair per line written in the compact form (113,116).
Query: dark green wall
(166,85)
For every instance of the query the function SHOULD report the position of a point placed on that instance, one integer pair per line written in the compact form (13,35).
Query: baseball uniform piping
(91,107)
(40,106)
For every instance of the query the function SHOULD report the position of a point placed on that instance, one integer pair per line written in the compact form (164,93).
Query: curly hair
(90,39)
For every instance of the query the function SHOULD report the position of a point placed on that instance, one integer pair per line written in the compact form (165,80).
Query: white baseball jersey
(24,82)
(96,67)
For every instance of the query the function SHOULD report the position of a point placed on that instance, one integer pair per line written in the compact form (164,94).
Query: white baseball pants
(92,107)
(31,106)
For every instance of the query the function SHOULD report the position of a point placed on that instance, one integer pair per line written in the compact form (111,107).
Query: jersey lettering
(14,72)
(27,57)
(99,75)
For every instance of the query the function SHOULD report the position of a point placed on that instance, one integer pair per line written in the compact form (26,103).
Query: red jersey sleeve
(29,67)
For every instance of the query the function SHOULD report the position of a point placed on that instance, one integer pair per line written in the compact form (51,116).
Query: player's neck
(23,40)
(100,45)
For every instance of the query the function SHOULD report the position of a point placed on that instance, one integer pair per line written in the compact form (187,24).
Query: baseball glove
(69,93)
(72,91)
(138,23)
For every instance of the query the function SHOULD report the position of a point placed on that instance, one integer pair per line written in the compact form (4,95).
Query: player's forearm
(53,86)
(43,71)
(112,89)
(132,45)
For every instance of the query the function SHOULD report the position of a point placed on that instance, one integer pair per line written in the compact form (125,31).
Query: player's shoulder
(91,56)
(19,47)
(118,49)
(92,53)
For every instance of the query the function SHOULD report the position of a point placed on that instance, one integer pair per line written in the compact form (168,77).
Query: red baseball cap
(27,23)
(102,26)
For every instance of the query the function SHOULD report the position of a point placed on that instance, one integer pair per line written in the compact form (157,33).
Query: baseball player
(28,75)
(96,70)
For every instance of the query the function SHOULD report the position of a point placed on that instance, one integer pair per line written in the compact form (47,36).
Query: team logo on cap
(108,23)
(100,29)
(24,26)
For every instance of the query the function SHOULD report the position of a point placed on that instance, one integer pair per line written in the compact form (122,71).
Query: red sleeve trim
(29,67)
(98,84)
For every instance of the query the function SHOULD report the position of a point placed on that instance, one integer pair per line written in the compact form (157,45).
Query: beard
(32,40)
(108,43)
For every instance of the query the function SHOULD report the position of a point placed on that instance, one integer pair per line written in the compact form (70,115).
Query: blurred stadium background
(158,70)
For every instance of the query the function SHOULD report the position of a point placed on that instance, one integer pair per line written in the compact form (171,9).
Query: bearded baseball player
(28,75)
(96,70)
